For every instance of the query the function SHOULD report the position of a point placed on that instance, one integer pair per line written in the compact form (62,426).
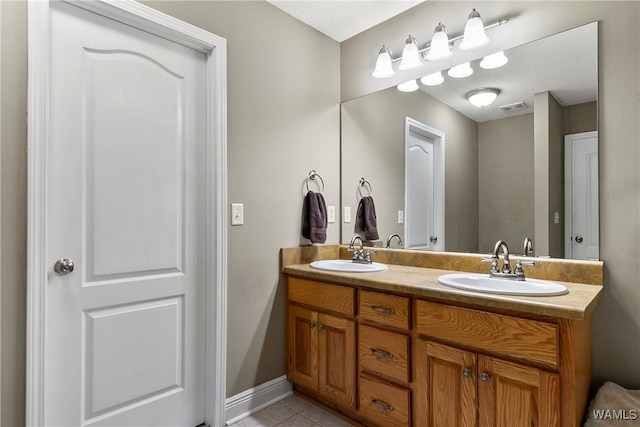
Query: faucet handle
(518,268)
(525,262)
(494,263)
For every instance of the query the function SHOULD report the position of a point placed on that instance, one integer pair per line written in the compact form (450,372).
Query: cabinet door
(445,385)
(337,354)
(513,395)
(303,347)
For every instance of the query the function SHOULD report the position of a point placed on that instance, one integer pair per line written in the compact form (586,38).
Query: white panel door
(124,338)
(581,193)
(420,216)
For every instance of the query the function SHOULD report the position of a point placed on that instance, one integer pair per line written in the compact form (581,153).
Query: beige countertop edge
(578,304)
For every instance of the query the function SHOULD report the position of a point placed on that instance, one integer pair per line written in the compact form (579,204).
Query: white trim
(412,125)
(253,400)
(145,18)
(568,188)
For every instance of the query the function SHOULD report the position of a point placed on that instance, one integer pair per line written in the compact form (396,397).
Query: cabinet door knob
(312,325)
(484,377)
(466,372)
(320,327)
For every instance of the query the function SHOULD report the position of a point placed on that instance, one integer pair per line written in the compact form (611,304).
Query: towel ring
(364,182)
(312,176)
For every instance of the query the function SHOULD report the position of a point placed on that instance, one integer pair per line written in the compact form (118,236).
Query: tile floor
(293,411)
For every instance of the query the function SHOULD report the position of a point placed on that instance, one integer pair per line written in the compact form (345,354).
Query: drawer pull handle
(381,405)
(381,354)
(383,310)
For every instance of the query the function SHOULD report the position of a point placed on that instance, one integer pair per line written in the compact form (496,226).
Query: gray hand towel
(314,218)
(366,218)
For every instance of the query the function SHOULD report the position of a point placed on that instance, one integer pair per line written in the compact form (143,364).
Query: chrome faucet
(390,238)
(360,256)
(518,273)
(527,249)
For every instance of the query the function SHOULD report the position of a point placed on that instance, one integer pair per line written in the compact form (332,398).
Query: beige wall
(505,180)
(616,320)
(373,147)
(548,176)
(13,200)
(580,118)
(283,120)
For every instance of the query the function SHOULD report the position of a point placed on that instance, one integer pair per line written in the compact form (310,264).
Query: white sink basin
(347,266)
(485,284)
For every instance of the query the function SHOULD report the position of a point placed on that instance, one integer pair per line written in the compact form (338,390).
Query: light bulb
(410,86)
(461,71)
(474,36)
(384,68)
(439,47)
(410,55)
(495,60)
(432,79)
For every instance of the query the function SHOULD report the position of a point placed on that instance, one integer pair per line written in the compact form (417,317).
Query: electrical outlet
(347,214)
(331,214)
(400,217)
(237,214)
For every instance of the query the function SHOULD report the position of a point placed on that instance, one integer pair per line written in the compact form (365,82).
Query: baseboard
(250,401)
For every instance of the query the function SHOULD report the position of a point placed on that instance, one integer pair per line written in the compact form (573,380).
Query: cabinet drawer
(340,299)
(511,336)
(384,404)
(382,308)
(384,352)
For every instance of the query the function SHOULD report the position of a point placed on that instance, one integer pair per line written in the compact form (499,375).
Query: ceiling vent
(514,107)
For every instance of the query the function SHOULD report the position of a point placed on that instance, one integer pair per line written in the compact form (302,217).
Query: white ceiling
(342,19)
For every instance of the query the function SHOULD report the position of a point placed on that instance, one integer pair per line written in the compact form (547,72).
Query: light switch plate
(556,217)
(347,214)
(400,217)
(237,214)
(331,214)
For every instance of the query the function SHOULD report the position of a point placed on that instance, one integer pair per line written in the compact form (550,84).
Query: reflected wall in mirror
(504,168)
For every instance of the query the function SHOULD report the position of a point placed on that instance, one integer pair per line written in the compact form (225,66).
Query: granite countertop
(578,304)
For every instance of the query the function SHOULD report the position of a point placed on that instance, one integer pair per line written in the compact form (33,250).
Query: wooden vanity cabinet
(322,345)
(396,360)
(466,389)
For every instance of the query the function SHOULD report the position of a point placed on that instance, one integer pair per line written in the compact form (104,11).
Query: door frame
(139,16)
(412,125)
(568,187)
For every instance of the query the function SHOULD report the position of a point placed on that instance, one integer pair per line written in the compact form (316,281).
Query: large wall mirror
(503,171)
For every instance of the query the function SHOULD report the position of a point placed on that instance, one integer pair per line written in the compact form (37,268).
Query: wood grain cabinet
(399,360)
(322,345)
(466,389)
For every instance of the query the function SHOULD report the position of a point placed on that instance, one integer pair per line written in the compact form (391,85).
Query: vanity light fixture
(495,60)
(410,56)
(474,36)
(440,46)
(432,79)
(410,86)
(460,71)
(483,96)
(384,68)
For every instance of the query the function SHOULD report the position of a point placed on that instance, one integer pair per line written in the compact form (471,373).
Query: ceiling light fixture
(440,46)
(483,96)
(495,60)
(432,79)
(460,71)
(474,36)
(410,86)
(410,56)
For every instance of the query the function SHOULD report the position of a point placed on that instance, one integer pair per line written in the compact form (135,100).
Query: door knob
(63,266)
(579,239)
(433,239)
